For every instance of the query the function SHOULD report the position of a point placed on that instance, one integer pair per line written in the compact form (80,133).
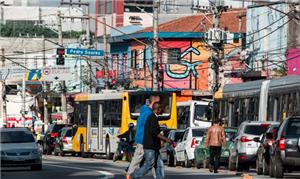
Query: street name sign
(84,52)
(56,74)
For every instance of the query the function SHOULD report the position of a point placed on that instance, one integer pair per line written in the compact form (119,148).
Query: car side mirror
(256,139)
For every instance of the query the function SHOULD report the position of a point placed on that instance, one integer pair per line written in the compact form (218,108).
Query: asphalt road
(95,168)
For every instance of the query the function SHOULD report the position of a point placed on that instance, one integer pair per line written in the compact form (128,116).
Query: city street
(86,168)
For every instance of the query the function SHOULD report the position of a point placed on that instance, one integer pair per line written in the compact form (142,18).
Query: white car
(185,148)
(244,149)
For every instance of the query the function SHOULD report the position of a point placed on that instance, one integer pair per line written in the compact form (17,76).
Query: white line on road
(106,174)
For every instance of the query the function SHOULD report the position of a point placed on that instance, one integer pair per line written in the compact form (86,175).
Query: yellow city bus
(132,101)
(98,119)
(101,117)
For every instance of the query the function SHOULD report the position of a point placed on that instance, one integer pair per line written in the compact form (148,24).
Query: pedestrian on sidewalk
(214,140)
(145,112)
(152,144)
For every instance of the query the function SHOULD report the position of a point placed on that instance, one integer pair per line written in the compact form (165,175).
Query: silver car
(244,149)
(19,148)
(63,142)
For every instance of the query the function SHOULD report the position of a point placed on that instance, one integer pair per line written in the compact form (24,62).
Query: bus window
(201,112)
(183,114)
(136,101)
(95,114)
(112,113)
(80,113)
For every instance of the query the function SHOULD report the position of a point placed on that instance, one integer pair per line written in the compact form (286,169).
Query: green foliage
(14,29)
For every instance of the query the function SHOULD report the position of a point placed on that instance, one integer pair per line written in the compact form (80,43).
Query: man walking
(151,144)
(138,155)
(215,138)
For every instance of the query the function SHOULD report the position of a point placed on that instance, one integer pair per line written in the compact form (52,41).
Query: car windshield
(229,135)
(293,128)
(197,133)
(16,137)
(256,129)
(178,136)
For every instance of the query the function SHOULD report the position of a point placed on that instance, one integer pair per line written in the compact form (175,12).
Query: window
(108,6)
(112,113)
(198,133)
(172,55)
(201,112)
(94,114)
(256,129)
(17,137)
(80,113)
(293,128)
(133,58)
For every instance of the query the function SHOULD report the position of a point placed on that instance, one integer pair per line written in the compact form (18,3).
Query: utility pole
(215,37)
(155,84)
(3,90)
(62,83)
(45,88)
(106,70)
(87,44)
(24,87)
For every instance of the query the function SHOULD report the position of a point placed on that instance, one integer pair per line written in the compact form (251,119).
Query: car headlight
(35,152)
(3,153)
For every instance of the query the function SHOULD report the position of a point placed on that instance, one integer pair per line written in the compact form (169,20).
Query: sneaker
(216,171)
(210,170)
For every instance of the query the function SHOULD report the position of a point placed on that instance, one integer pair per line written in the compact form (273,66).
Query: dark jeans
(215,155)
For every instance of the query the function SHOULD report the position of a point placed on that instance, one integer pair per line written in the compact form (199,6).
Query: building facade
(183,54)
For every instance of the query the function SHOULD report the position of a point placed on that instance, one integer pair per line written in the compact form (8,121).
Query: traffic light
(60,56)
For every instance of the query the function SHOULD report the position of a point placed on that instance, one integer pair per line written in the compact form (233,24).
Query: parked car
(244,149)
(50,137)
(263,152)
(285,151)
(185,148)
(63,142)
(19,148)
(168,151)
(202,155)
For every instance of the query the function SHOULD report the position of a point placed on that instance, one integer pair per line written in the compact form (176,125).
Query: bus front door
(96,129)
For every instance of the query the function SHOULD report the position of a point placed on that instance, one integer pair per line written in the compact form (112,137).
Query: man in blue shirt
(145,112)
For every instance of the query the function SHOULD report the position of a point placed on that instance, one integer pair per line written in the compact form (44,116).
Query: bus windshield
(201,112)
(138,100)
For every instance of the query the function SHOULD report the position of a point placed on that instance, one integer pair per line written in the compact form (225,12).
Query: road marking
(106,174)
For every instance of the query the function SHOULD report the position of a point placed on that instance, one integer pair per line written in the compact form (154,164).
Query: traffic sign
(84,52)
(57,74)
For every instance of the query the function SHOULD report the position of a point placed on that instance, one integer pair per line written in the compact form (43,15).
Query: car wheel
(61,153)
(259,170)
(82,153)
(239,167)
(187,162)
(48,150)
(55,152)
(73,154)
(271,167)
(109,156)
(198,164)
(265,167)
(170,159)
(36,167)
(278,168)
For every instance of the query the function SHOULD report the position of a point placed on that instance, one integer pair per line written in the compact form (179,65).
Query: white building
(45,16)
